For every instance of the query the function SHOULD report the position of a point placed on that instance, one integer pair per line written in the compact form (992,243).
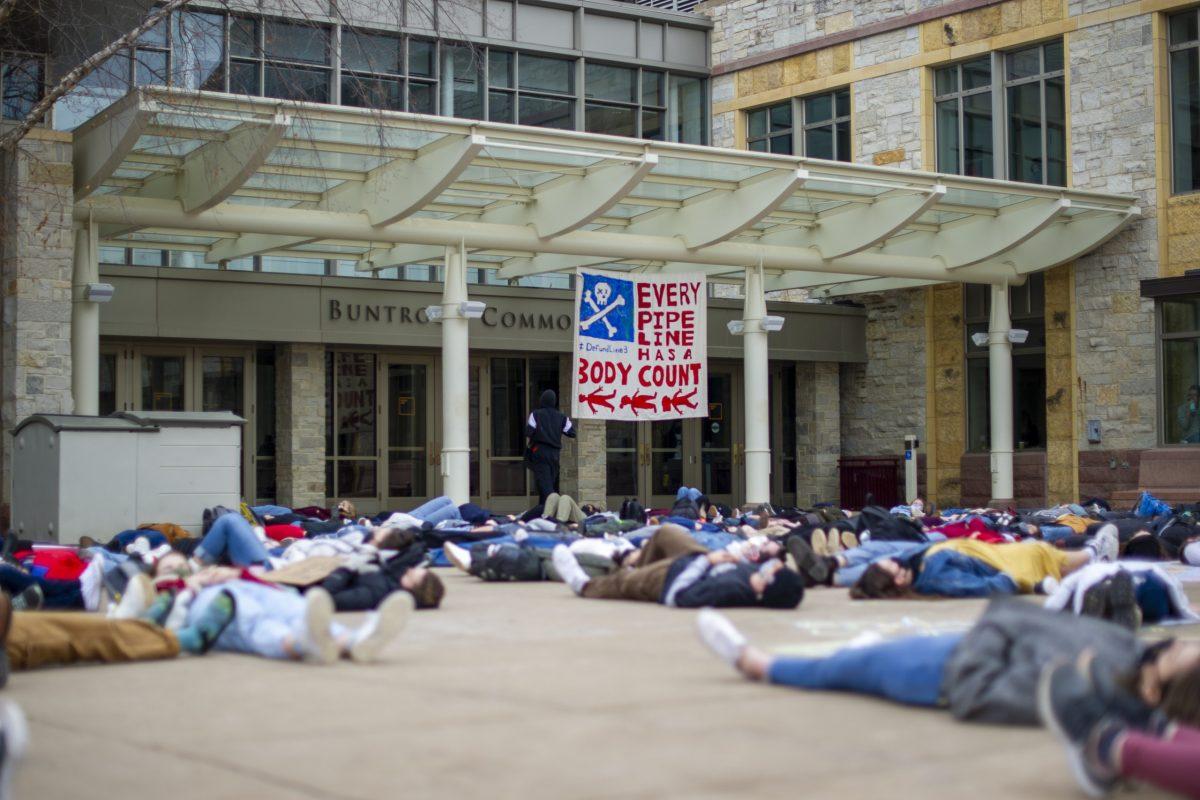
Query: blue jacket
(953,574)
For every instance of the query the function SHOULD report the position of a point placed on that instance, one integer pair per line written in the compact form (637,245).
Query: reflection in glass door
(664,458)
(624,458)
(108,384)
(720,438)
(162,382)
(223,384)
(351,446)
(507,435)
(783,434)
(408,419)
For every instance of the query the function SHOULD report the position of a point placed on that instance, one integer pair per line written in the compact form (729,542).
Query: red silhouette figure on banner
(679,401)
(596,399)
(638,402)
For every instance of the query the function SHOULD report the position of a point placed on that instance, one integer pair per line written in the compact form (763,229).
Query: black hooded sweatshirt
(547,425)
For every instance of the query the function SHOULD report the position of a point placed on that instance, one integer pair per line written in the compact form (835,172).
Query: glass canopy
(230,176)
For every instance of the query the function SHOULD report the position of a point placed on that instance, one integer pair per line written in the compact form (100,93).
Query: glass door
(162,379)
(114,382)
(663,458)
(508,478)
(624,470)
(410,454)
(783,434)
(722,445)
(222,382)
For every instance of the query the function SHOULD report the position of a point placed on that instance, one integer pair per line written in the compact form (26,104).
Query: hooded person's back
(547,425)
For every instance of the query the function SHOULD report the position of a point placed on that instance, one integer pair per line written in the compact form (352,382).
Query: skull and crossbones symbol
(598,300)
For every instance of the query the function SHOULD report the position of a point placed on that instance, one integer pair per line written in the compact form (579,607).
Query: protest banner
(640,346)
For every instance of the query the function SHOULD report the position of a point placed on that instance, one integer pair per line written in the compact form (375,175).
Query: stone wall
(818,432)
(884,399)
(36,247)
(1112,150)
(1062,454)
(887,120)
(300,424)
(947,422)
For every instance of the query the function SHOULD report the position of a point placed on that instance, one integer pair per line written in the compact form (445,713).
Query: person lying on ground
(276,622)
(970,568)
(675,570)
(528,557)
(391,560)
(846,567)
(990,673)
(31,592)
(1127,593)
(1106,746)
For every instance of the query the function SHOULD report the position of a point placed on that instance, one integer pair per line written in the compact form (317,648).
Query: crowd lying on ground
(266,580)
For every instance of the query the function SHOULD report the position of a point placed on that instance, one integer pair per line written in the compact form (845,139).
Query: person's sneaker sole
(318,615)
(1122,601)
(1075,756)
(15,731)
(454,554)
(393,615)
(819,543)
(1095,600)
(849,540)
(812,567)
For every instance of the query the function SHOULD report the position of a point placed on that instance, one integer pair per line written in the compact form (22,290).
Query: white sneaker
(90,581)
(720,635)
(458,556)
(1106,543)
(15,732)
(568,569)
(316,641)
(381,627)
(138,547)
(137,597)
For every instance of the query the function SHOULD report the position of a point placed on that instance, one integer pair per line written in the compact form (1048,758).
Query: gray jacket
(992,675)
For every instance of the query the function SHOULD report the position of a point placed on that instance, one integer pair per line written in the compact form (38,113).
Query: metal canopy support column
(85,323)
(757,389)
(456,448)
(1000,396)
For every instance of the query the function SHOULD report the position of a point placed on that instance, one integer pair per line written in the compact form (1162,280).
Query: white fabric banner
(640,346)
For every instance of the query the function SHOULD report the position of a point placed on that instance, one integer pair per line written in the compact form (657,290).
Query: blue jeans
(264,620)
(232,537)
(906,670)
(688,493)
(1055,533)
(867,553)
(272,511)
(436,510)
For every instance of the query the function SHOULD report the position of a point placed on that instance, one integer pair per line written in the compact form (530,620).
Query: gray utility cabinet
(97,476)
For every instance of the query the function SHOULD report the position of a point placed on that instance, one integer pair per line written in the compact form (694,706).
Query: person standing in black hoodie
(545,430)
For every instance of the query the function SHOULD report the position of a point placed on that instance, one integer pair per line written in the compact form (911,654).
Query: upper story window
(823,130)
(1185,101)
(963,110)
(22,80)
(1026,90)
(625,101)
(374,73)
(280,59)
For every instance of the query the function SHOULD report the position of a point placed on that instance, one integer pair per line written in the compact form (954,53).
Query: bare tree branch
(6,10)
(87,67)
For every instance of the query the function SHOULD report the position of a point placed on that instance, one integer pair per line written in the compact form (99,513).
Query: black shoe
(1095,600)
(29,600)
(812,568)
(1072,710)
(1122,601)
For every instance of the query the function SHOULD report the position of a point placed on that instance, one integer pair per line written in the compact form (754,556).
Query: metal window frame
(959,96)
(5,55)
(1040,79)
(769,135)
(831,123)
(1193,44)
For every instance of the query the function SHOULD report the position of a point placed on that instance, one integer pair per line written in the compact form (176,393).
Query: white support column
(757,389)
(85,323)
(1000,396)
(456,445)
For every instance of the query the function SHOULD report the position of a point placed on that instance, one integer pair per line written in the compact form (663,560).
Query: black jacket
(547,426)
(723,587)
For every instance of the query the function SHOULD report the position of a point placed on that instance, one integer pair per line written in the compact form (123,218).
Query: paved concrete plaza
(523,691)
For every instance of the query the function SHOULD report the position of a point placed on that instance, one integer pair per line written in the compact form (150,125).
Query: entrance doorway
(651,460)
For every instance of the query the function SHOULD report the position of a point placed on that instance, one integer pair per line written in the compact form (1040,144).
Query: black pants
(545,475)
(353,591)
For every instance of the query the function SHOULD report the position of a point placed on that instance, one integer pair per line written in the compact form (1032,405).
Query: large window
(545,92)
(964,118)
(517,385)
(374,74)
(1023,88)
(1185,101)
(1027,308)
(1179,322)
(823,129)
(22,78)
(280,59)
(624,101)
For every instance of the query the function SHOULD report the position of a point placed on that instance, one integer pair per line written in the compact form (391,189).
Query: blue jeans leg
(859,558)
(232,537)
(430,512)
(906,670)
